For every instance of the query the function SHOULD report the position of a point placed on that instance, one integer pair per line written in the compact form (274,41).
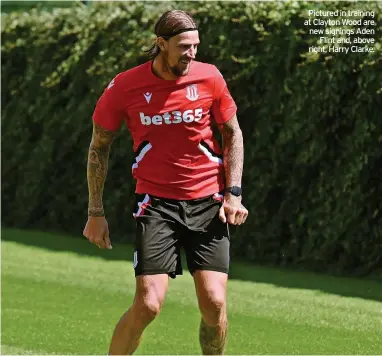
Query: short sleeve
(109,109)
(223,106)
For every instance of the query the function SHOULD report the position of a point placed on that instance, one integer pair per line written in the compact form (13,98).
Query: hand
(97,231)
(232,211)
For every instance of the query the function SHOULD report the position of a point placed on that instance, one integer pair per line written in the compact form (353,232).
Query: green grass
(62,295)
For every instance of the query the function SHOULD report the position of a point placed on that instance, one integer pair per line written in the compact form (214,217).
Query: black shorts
(166,225)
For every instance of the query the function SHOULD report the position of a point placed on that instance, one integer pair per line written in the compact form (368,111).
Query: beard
(180,69)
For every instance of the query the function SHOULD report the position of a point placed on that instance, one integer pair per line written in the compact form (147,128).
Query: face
(179,51)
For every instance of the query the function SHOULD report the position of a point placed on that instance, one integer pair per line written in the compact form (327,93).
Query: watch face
(236,191)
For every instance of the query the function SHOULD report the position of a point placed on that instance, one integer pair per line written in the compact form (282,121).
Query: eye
(187,47)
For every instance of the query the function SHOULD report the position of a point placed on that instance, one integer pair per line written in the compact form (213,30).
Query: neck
(161,70)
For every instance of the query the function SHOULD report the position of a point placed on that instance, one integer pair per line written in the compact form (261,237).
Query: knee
(149,296)
(212,306)
(148,307)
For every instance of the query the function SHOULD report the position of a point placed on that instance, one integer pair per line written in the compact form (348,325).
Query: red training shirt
(176,155)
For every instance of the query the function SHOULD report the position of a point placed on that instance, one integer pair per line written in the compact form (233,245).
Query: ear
(161,43)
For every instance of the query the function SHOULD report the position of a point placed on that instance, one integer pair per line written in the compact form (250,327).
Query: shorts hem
(152,272)
(210,268)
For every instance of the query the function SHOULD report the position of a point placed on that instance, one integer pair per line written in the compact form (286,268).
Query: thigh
(157,249)
(209,248)
(151,288)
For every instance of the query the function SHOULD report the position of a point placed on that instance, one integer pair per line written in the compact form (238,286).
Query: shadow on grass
(347,287)
(59,242)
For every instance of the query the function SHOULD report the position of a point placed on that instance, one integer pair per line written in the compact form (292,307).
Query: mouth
(185,62)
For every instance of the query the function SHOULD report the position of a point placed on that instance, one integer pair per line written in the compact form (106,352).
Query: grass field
(63,296)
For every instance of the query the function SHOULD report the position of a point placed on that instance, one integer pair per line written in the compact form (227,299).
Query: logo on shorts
(192,92)
(135,264)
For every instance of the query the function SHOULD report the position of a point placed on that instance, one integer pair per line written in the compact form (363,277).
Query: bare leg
(149,297)
(211,290)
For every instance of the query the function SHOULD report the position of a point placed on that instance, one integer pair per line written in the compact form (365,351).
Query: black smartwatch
(236,191)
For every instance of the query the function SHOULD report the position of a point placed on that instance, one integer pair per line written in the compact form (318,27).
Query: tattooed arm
(233,152)
(96,229)
(97,167)
(233,211)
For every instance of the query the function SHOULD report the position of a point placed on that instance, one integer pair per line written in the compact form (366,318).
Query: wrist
(229,196)
(234,191)
(96,212)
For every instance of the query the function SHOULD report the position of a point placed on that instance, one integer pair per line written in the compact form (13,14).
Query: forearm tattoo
(213,338)
(233,152)
(97,168)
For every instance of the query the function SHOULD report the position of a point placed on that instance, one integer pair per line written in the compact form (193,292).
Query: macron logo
(148,96)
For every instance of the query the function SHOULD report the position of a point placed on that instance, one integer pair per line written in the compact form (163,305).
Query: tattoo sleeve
(97,167)
(233,152)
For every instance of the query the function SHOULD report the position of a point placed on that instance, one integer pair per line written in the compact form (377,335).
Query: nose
(192,52)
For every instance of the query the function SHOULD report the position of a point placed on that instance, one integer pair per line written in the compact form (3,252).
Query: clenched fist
(97,232)
(232,211)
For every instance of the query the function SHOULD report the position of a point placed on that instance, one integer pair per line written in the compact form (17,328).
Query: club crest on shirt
(192,92)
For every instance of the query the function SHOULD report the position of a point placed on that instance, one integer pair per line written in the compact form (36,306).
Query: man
(169,104)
